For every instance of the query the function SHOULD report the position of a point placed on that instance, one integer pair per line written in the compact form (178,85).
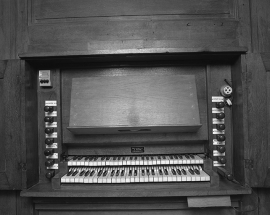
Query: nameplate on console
(137,149)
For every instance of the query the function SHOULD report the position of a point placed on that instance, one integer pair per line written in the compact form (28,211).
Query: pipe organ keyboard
(135,169)
(134,160)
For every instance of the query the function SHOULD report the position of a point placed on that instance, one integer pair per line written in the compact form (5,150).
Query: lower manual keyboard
(135,174)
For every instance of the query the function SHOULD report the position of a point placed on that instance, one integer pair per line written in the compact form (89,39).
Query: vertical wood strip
(257,113)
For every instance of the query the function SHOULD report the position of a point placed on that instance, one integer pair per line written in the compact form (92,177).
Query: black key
(82,173)
(123,158)
(160,172)
(171,157)
(80,157)
(192,156)
(122,172)
(173,172)
(119,158)
(143,172)
(166,172)
(180,156)
(102,158)
(75,173)
(152,172)
(135,172)
(75,158)
(147,158)
(163,157)
(178,172)
(95,158)
(92,173)
(159,157)
(112,173)
(99,173)
(130,158)
(130,173)
(87,158)
(117,173)
(183,171)
(152,158)
(91,158)
(135,158)
(87,173)
(107,158)
(114,158)
(175,157)
(143,158)
(187,156)
(147,172)
(105,173)
(70,172)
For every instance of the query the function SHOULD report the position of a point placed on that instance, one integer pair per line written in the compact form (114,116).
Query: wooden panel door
(10,125)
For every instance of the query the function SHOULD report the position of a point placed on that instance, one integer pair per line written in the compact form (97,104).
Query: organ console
(134,126)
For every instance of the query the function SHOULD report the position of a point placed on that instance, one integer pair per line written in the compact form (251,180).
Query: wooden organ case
(135,131)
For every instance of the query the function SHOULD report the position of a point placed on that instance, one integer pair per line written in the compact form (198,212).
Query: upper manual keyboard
(134,160)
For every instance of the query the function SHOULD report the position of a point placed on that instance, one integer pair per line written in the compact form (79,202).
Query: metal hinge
(248,163)
(22,166)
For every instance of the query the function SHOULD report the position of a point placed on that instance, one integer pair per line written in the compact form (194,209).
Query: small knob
(222,160)
(220,115)
(48,152)
(48,130)
(50,174)
(49,141)
(220,127)
(221,149)
(49,163)
(220,105)
(48,109)
(48,119)
(221,137)
(229,176)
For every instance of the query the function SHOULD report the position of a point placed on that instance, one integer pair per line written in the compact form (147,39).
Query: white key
(73,176)
(153,161)
(137,160)
(141,174)
(141,162)
(103,161)
(109,162)
(180,159)
(198,159)
(87,173)
(158,159)
(178,173)
(156,176)
(188,175)
(78,178)
(174,176)
(128,175)
(108,179)
(188,160)
(124,160)
(70,162)
(165,176)
(136,174)
(129,161)
(93,177)
(119,161)
(115,162)
(132,178)
(114,175)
